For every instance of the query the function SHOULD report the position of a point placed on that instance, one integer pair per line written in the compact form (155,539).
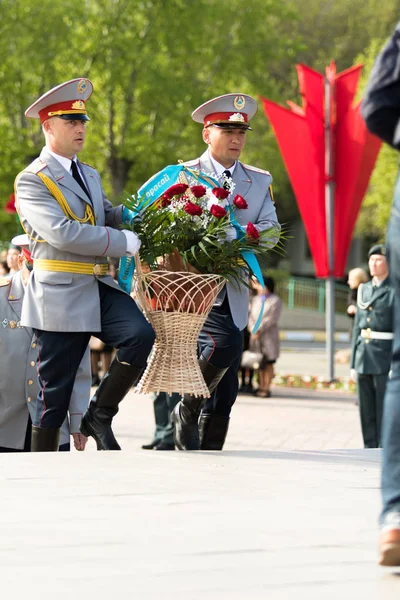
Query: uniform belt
(376,335)
(65,266)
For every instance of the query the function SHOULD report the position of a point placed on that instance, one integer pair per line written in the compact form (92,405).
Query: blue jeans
(390,483)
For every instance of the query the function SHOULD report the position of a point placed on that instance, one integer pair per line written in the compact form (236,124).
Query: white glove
(228,236)
(353,375)
(132,242)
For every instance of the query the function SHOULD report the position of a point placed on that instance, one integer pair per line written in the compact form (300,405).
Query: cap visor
(74,117)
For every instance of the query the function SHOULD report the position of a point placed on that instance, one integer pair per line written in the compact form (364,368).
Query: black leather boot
(116,383)
(213,430)
(45,440)
(186,413)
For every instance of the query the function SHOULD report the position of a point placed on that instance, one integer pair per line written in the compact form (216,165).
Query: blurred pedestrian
(371,350)
(12,258)
(18,377)
(266,340)
(4,270)
(163,438)
(381,111)
(355,277)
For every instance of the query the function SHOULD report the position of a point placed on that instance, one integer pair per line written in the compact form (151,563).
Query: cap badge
(239,102)
(237,117)
(78,104)
(82,85)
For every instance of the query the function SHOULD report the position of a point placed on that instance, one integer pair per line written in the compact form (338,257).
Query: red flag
(300,133)
(10,206)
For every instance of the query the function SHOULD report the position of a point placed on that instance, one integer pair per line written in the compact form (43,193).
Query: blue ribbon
(252,262)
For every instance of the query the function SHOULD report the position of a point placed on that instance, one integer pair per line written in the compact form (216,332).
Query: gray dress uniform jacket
(57,301)
(18,374)
(254,185)
(373,356)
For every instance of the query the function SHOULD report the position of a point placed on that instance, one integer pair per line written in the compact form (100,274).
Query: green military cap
(377,249)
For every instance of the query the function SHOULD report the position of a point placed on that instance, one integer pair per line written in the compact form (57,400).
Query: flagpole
(329,214)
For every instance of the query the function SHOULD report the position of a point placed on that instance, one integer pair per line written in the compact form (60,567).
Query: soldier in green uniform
(372,344)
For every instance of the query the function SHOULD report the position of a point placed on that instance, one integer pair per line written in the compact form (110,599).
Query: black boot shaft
(103,407)
(186,413)
(45,440)
(213,430)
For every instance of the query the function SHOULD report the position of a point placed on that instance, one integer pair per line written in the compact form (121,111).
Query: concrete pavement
(287,511)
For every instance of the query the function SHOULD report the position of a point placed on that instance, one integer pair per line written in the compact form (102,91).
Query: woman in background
(266,339)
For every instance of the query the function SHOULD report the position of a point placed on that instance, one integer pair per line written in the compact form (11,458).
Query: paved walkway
(287,511)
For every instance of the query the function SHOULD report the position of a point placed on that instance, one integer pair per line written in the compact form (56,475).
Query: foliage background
(153,61)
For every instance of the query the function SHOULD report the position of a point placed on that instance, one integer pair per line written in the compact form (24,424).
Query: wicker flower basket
(177,304)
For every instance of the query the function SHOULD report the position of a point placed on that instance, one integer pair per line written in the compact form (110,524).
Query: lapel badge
(13,324)
(239,102)
(82,85)
(4,323)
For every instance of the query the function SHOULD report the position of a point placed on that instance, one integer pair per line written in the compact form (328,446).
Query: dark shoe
(186,413)
(96,422)
(389,541)
(213,430)
(150,446)
(263,394)
(45,440)
(186,429)
(165,446)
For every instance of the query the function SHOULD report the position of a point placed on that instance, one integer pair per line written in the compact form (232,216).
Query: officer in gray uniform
(225,123)
(372,345)
(72,229)
(18,376)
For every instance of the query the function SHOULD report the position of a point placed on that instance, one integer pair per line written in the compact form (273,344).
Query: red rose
(175,190)
(220,193)
(192,209)
(240,202)
(198,191)
(252,232)
(218,211)
(165,200)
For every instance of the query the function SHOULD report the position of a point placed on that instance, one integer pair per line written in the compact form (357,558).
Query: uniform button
(30,381)
(367,341)
(29,398)
(368,320)
(369,307)
(33,345)
(32,363)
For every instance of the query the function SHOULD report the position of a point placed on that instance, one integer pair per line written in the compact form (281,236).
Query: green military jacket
(375,312)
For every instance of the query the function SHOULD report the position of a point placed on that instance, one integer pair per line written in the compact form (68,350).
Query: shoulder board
(37,166)
(192,163)
(256,170)
(87,165)
(4,281)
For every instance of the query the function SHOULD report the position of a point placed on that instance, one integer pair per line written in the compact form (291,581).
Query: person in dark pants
(372,345)
(72,229)
(381,111)
(163,438)
(18,378)
(225,123)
